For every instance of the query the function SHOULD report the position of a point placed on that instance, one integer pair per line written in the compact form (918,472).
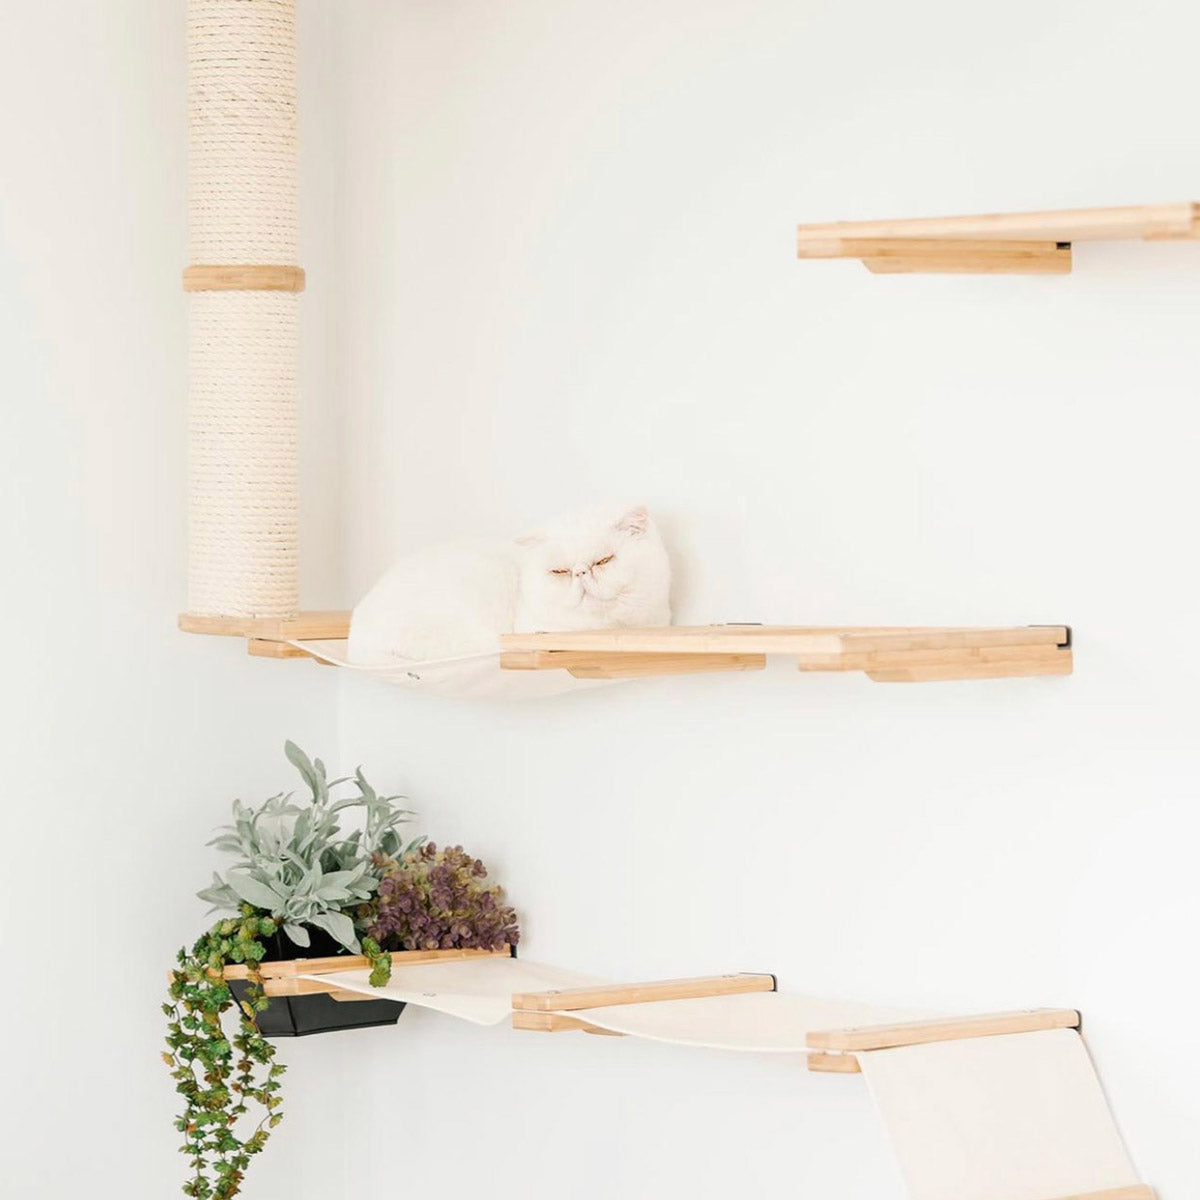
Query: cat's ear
(635,521)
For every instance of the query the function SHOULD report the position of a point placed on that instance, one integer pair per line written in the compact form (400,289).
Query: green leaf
(220,895)
(255,891)
(297,933)
(301,762)
(339,926)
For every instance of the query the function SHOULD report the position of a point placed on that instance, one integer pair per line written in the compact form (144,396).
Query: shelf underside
(1036,243)
(886,654)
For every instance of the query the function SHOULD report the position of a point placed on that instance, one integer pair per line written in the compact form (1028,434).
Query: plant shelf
(299,976)
(1035,243)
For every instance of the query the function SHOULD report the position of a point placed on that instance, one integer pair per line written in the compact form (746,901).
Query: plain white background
(550,259)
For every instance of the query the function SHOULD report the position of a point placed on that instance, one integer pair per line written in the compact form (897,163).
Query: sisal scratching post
(243,285)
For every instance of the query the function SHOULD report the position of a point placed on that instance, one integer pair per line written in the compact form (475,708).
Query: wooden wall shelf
(1035,243)
(292,978)
(885,654)
(906,654)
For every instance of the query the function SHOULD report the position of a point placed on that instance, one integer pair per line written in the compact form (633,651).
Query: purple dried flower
(435,899)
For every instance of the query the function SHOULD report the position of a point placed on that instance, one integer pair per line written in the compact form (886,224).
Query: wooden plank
(968,258)
(948,1029)
(243,277)
(917,247)
(1062,663)
(606,995)
(540,1022)
(262,648)
(636,666)
(599,665)
(302,627)
(1133,222)
(859,640)
(274,988)
(890,660)
(767,639)
(834,1064)
(894,256)
(354,962)
(1139,1191)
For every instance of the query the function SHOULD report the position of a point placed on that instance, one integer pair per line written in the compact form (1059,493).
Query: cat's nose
(580,572)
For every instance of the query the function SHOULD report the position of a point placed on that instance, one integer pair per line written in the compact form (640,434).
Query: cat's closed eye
(601,561)
(560,570)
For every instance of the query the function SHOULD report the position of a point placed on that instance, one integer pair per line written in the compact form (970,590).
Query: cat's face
(578,571)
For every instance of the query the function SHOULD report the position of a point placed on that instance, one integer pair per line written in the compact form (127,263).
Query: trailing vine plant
(224,1079)
(295,872)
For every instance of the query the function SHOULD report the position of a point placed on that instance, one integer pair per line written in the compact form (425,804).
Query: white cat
(597,569)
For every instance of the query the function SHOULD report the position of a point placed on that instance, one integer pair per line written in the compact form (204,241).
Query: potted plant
(302,890)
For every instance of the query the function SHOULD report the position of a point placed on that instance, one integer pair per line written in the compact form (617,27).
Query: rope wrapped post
(243,285)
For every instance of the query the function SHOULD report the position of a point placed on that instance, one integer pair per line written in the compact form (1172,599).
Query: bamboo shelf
(273,637)
(1036,243)
(885,654)
(905,654)
(291,978)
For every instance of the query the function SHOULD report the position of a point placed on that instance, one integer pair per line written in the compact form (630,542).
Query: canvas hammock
(969,1115)
(466,677)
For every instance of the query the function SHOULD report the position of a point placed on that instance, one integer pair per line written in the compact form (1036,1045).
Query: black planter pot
(299,1016)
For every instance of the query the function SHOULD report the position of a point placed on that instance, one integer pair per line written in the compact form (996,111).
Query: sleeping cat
(597,569)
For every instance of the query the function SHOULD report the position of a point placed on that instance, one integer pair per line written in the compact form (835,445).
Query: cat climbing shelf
(905,654)
(1036,243)
(902,654)
(976,1106)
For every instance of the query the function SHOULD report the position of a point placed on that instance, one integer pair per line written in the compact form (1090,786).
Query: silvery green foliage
(293,861)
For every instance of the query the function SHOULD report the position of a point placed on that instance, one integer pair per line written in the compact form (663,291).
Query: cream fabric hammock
(479,990)
(467,677)
(969,1115)
(1020,1117)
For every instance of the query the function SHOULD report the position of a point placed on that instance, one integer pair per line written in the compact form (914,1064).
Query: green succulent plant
(295,863)
(226,1078)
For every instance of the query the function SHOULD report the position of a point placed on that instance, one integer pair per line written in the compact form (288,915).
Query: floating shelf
(885,654)
(273,637)
(1036,243)
(317,976)
(903,654)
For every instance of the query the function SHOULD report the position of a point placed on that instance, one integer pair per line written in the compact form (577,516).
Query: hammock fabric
(470,677)
(969,1116)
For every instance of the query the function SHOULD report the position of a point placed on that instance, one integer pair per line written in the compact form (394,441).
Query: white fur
(458,599)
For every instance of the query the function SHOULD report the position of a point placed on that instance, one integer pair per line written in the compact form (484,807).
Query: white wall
(568,274)
(550,258)
(123,740)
